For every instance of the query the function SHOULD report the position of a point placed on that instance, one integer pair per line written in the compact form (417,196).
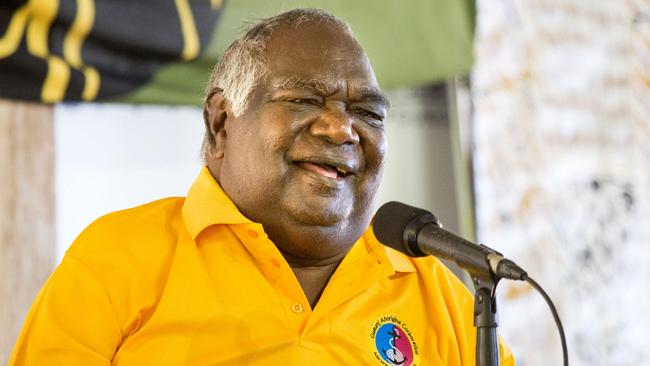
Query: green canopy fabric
(410,43)
(162,51)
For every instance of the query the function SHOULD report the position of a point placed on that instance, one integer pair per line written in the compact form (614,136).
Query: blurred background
(521,124)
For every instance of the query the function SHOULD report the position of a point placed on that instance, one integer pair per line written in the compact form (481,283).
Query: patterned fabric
(54,50)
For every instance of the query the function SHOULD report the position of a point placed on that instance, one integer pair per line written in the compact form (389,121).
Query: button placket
(279,275)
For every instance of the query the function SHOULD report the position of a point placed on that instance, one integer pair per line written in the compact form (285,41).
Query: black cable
(565,353)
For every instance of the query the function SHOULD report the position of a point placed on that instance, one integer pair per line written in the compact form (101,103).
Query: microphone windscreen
(394,219)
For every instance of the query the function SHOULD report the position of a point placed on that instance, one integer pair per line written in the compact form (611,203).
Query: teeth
(333,167)
(340,172)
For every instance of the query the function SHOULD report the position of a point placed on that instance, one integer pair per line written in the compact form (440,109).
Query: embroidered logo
(393,342)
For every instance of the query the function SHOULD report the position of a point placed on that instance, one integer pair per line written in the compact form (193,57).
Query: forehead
(318,52)
(359,91)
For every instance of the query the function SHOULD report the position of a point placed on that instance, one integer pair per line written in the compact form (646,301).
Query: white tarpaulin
(562,167)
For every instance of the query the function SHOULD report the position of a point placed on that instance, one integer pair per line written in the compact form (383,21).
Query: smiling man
(305,156)
(269,259)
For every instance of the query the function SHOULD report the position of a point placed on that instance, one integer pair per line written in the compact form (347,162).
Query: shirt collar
(399,261)
(207,204)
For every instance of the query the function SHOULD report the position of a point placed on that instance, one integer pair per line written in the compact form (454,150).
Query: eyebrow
(366,93)
(373,94)
(294,82)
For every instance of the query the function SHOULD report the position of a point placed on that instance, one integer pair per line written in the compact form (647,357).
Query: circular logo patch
(394,343)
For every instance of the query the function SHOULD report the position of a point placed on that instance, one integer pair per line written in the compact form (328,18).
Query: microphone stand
(486,320)
(417,233)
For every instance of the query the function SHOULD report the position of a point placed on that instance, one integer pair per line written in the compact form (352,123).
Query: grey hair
(244,63)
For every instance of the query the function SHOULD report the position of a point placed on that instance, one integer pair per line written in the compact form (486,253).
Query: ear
(215,113)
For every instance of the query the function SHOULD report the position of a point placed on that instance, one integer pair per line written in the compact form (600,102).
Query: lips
(327,169)
(321,169)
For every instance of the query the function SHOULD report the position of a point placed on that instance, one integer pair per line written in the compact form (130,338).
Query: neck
(314,278)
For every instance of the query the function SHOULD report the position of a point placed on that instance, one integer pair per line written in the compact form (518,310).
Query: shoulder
(434,279)
(437,277)
(130,252)
(150,227)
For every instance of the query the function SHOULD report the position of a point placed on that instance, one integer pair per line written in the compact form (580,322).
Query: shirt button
(253,234)
(275,263)
(297,308)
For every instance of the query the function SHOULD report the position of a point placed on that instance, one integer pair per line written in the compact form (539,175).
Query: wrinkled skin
(306,157)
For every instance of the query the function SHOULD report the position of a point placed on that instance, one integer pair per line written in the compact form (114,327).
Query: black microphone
(417,233)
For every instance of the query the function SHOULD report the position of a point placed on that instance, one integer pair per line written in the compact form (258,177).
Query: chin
(321,215)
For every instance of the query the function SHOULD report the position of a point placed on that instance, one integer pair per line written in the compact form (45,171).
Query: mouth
(327,169)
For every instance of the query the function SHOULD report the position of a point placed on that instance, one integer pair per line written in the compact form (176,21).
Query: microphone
(418,233)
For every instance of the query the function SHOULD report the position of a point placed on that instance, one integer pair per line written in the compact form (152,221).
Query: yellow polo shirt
(194,282)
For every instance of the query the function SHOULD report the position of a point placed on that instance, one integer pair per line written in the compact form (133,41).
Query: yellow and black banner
(162,51)
(55,50)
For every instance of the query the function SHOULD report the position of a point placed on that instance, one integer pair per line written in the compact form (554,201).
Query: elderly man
(269,259)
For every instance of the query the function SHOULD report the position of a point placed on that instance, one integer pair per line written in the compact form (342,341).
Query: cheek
(261,149)
(278,132)
(275,144)
(374,148)
(266,162)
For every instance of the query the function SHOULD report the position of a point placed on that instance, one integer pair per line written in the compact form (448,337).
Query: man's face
(307,155)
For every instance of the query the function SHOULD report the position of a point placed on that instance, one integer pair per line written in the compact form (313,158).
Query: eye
(370,117)
(303,101)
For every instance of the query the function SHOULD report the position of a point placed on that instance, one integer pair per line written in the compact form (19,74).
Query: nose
(336,127)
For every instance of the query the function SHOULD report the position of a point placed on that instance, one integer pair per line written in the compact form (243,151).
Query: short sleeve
(71,322)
